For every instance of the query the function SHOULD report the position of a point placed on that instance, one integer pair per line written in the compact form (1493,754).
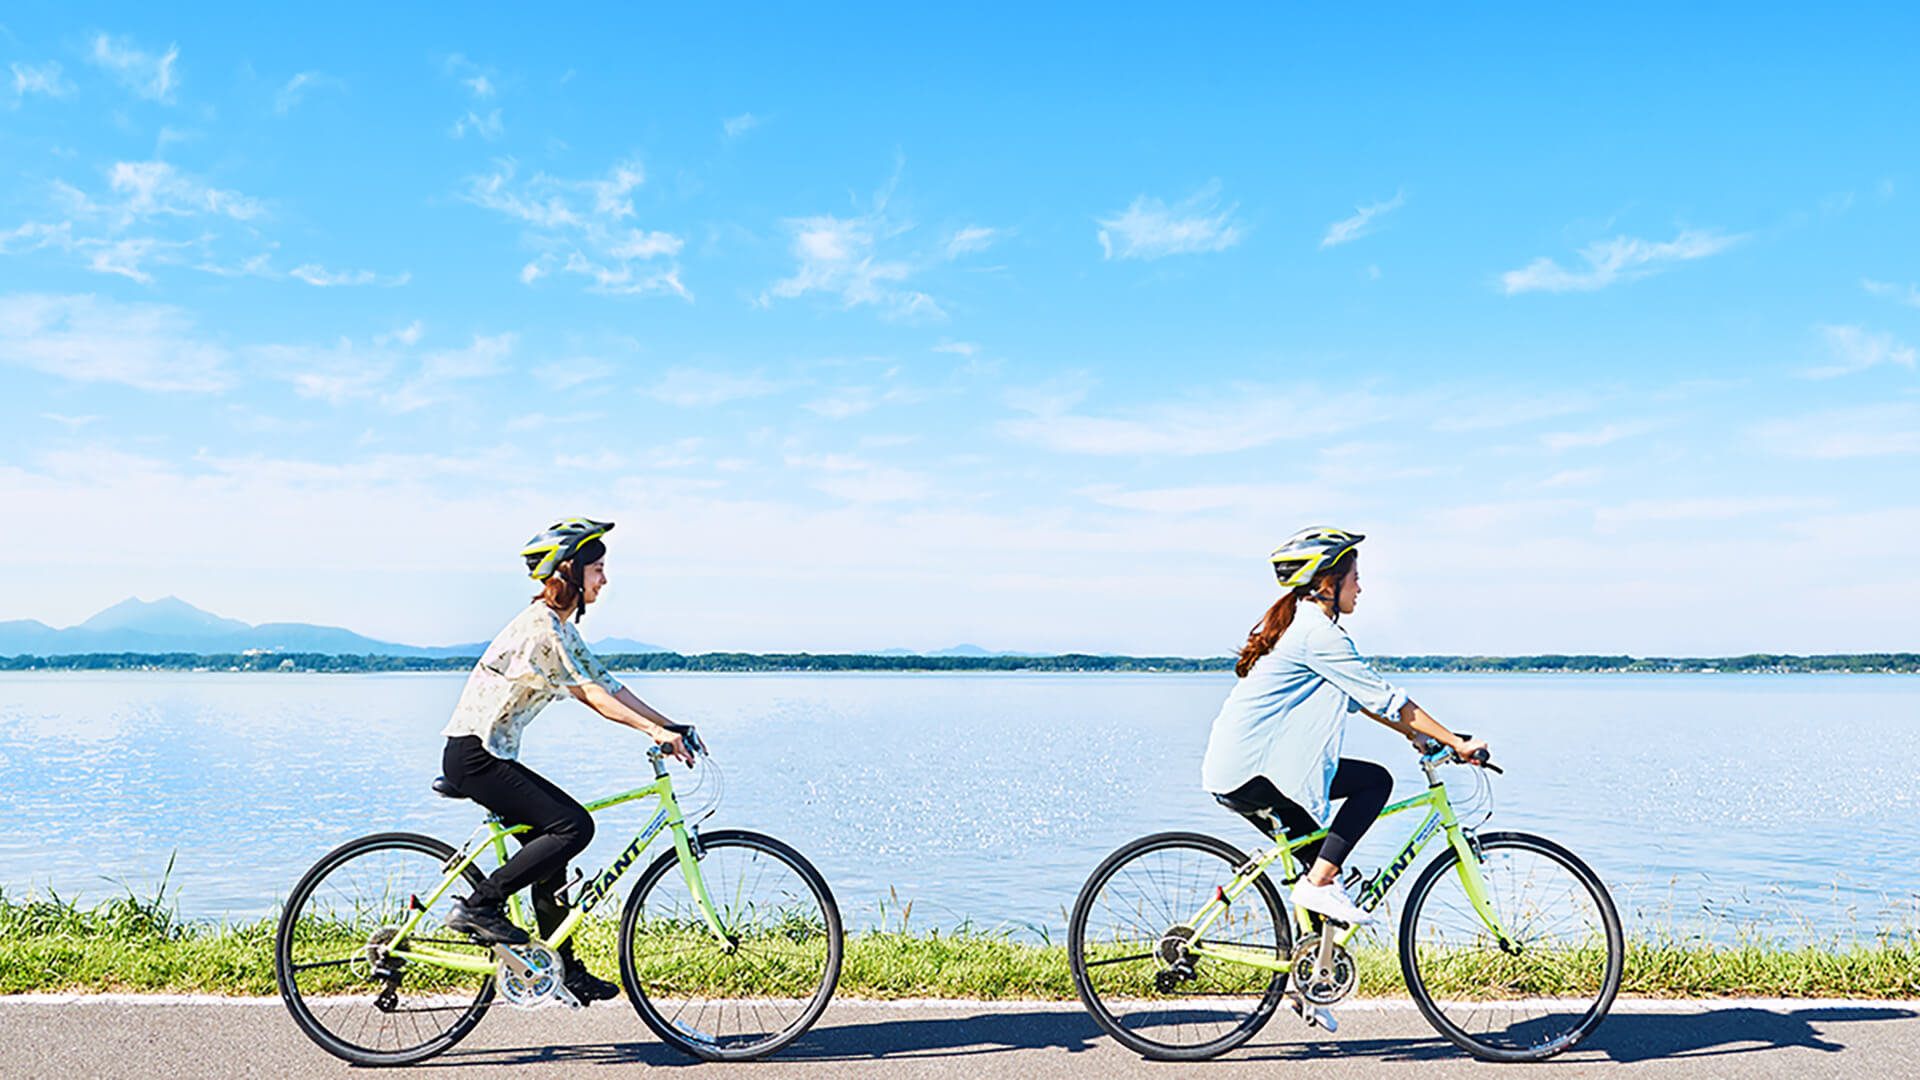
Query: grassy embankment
(141,945)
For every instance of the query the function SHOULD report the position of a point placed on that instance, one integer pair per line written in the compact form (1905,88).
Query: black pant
(561,827)
(1364,788)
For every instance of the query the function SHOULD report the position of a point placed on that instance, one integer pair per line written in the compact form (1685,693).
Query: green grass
(130,944)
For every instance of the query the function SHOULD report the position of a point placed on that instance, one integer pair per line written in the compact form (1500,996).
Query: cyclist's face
(1350,591)
(593,579)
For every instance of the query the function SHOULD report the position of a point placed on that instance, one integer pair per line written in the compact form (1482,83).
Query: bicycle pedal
(1315,1015)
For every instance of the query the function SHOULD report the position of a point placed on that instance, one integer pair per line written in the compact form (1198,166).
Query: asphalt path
(155,1038)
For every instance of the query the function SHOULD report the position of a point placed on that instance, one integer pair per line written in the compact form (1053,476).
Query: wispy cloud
(692,388)
(1833,434)
(488,127)
(1245,418)
(1854,349)
(72,423)
(147,75)
(1361,223)
(298,87)
(90,339)
(44,79)
(1150,229)
(1899,294)
(1623,258)
(1604,435)
(736,126)
(315,274)
(128,225)
(857,480)
(842,256)
(1703,508)
(973,238)
(583,227)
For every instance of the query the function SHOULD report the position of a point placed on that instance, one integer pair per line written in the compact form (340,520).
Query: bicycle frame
(600,886)
(1440,817)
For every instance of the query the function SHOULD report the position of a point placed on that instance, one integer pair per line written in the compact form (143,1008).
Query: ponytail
(1261,638)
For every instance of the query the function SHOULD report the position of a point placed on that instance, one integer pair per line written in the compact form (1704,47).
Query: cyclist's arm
(1415,723)
(625,707)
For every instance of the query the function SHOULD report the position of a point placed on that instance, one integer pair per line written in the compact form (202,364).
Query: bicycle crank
(530,976)
(1323,971)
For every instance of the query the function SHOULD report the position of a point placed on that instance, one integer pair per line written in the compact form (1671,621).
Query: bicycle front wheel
(1543,989)
(758,987)
(330,960)
(1127,946)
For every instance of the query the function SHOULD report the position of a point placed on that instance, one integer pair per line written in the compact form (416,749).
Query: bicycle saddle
(1260,817)
(446,790)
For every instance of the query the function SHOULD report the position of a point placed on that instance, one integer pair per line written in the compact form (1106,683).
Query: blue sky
(876,327)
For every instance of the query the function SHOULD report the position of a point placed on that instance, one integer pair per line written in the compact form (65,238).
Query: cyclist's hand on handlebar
(1467,749)
(674,744)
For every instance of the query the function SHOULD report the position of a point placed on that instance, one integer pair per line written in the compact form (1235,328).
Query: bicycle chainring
(542,983)
(1341,978)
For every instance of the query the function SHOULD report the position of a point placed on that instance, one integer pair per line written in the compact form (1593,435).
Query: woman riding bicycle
(1274,751)
(535,660)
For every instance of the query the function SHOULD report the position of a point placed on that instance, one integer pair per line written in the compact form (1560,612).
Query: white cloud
(44,79)
(315,274)
(126,227)
(481,86)
(296,89)
(580,227)
(153,188)
(1360,224)
(1250,416)
(145,74)
(1593,437)
(1704,508)
(1837,434)
(1150,229)
(73,423)
(959,348)
(860,481)
(567,374)
(409,334)
(90,339)
(1854,349)
(974,238)
(1622,258)
(736,126)
(488,127)
(692,388)
(1899,294)
(843,403)
(842,256)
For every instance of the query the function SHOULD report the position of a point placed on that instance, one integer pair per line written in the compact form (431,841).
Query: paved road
(107,1037)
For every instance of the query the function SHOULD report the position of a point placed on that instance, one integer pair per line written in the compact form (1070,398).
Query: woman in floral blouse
(538,658)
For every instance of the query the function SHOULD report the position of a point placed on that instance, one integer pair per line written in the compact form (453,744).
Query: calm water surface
(1709,803)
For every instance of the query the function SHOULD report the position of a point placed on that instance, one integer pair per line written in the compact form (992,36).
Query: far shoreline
(273,662)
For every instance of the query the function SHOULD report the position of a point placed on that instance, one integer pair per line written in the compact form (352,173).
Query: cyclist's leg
(561,827)
(1363,789)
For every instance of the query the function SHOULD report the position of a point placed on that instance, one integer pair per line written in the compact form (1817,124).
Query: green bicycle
(729,944)
(1181,947)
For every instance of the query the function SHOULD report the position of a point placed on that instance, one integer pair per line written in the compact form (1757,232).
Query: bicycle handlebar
(688,736)
(1432,752)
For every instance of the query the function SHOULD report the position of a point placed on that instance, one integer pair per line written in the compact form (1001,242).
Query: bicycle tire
(1127,1004)
(714,1001)
(340,1024)
(1531,1003)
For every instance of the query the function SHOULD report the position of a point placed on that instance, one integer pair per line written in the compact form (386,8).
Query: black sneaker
(587,988)
(487,923)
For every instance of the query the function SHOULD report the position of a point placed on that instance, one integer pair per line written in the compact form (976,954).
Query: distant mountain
(173,625)
(972,650)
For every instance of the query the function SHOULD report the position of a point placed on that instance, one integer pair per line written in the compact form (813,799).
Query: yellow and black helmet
(557,544)
(1310,551)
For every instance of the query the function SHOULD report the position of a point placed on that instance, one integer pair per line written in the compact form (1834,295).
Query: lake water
(1710,803)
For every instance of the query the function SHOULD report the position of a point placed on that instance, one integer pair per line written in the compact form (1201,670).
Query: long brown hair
(1261,639)
(563,591)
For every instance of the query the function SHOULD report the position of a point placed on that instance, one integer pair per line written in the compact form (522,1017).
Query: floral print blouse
(533,661)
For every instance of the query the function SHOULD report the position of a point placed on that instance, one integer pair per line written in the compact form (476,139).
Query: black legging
(1364,786)
(562,828)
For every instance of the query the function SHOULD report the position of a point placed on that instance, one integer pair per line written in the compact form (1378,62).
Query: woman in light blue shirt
(1274,752)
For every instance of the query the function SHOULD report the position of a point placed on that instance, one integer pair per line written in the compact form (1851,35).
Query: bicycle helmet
(558,543)
(1310,551)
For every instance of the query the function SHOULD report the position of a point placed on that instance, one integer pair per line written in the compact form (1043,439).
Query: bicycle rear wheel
(345,995)
(1125,946)
(757,989)
(1555,978)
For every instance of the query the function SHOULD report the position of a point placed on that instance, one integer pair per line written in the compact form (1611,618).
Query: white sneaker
(1329,900)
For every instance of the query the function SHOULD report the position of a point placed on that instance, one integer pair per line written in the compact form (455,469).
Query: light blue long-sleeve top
(1286,720)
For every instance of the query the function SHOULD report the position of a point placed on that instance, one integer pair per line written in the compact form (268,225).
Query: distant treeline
(1898,663)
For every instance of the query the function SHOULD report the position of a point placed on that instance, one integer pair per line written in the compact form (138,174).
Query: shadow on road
(1629,1037)
(899,1036)
(1624,1037)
